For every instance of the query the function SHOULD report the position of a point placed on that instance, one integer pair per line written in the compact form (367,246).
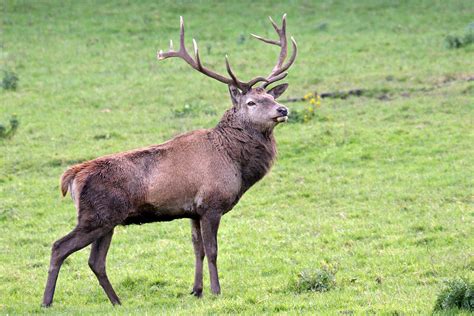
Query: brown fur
(234,146)
(199,175)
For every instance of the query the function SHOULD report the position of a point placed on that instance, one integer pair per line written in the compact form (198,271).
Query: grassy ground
(379,185)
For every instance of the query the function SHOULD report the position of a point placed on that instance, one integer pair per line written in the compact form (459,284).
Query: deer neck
(251,150)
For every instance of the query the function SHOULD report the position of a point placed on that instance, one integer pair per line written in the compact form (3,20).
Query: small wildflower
(308,95)
(310,111)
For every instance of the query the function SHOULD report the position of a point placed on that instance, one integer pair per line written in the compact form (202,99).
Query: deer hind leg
(77,239)
(199,254)
(97,264)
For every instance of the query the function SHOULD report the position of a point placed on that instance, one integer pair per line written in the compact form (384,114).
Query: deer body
(199,175)
(182,178)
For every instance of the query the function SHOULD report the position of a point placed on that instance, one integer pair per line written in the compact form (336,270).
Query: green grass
(380,187)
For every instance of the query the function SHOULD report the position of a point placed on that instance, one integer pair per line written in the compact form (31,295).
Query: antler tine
(280,67)
(282,43)
(280,31)
(195,63)
(278,71)
(283,22)
(273,79)
(181,34)
(196,53)
(266,40)
(276,74)
(182,53)
(241,86)
(275,26)
(252,82)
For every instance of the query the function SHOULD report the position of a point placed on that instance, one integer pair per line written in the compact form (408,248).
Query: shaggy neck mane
(251,149)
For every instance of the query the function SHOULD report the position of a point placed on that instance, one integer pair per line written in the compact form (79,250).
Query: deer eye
(251,103)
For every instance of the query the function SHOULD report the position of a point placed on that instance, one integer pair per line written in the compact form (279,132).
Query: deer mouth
(281,119)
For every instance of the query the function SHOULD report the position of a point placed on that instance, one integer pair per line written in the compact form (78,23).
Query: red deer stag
(199,175)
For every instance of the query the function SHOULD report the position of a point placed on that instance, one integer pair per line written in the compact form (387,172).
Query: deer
(199,175)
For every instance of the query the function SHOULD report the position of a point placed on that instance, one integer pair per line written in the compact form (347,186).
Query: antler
(278,71)
(196,63)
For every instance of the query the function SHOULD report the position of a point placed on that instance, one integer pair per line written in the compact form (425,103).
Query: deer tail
(67,178)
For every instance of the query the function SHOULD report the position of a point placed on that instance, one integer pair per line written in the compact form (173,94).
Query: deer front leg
(199,254)
(209,226)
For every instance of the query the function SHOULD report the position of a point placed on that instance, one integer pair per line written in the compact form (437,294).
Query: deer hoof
(197,293)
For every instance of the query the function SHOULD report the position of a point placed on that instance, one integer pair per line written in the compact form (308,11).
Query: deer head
(256,106)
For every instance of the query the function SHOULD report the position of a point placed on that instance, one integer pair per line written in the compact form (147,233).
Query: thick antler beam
(290,61)
(274,79)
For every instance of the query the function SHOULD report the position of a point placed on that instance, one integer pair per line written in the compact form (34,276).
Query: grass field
(378,185)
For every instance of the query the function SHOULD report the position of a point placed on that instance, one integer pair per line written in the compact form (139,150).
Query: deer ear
(235,94)
(277,91)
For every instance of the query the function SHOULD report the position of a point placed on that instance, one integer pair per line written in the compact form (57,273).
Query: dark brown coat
(199,175)
(193,172)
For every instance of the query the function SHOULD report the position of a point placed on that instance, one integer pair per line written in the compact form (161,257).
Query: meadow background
(379,186)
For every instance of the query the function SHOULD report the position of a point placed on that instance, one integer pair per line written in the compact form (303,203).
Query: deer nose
(282,110)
